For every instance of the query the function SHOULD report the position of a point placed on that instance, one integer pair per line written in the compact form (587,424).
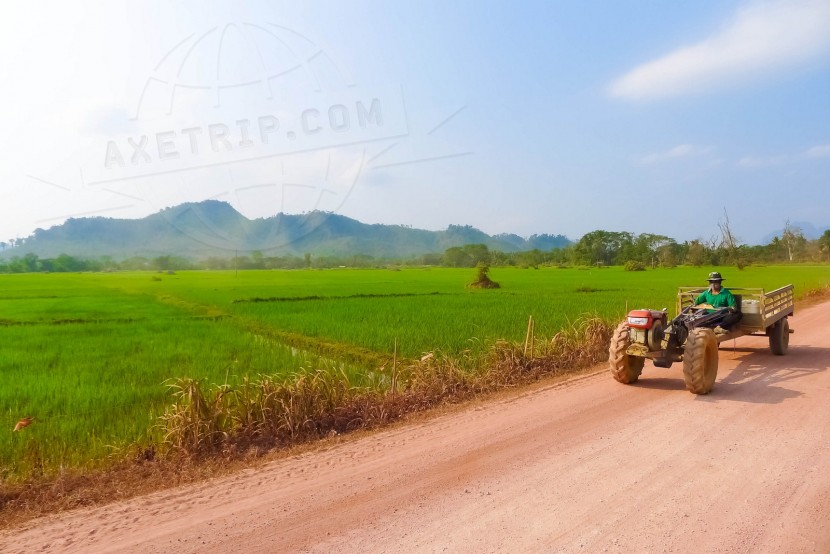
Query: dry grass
(815,296)
(206,420)
(209,429)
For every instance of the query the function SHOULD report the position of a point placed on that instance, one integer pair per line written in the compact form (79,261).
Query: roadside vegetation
(143,367)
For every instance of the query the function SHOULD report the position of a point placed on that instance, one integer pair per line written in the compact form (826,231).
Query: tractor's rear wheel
(779,337)
(625,369)
(700,360)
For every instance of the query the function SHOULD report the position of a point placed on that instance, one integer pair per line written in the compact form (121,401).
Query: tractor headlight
(638,321)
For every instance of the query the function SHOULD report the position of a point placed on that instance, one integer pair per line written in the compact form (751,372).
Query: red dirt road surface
(585,466)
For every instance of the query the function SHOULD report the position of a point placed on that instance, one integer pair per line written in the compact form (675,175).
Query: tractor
(690,337)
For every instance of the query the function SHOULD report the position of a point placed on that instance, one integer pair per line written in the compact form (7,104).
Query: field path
(584,466)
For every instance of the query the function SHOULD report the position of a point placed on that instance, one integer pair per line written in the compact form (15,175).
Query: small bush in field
(483,280)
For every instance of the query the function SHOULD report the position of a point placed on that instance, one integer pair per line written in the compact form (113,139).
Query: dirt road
(588,466)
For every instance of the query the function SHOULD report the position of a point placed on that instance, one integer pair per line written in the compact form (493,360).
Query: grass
(97,385)
(275,356)
(268,411)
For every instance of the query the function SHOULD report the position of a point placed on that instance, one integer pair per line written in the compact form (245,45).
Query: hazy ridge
(215,228)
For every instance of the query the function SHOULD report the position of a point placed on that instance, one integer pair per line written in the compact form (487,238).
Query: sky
(557,117)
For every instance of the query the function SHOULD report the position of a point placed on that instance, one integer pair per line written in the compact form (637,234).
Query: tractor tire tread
(625,369)
(700,360)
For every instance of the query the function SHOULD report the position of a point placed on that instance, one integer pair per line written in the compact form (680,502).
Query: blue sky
(549,117)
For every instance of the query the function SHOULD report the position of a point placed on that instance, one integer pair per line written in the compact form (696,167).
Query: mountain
(214,228)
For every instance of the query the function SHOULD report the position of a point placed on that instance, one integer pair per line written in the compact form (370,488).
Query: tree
(455,257)
(430,259)
(497,257)
(163,263)
(64,262)
(478,253)
(824,244)
(646,249)
(793,239)
(30,262)
(602,247)
(668,255)
(532,258)
(728,239)
(466,256)
(729,242)
(696,254)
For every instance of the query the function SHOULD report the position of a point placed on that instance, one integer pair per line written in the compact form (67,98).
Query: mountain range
(214,228)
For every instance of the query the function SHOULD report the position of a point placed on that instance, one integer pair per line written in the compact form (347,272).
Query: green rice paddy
(88,355)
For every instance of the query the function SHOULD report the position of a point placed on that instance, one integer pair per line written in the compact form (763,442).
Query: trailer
(690,337)
(763,314)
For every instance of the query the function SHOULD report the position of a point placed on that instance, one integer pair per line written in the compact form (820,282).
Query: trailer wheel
(625,369)
(779,337)
(700,360)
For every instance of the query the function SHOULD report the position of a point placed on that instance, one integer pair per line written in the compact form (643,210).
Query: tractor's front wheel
(700,360)
(625,369)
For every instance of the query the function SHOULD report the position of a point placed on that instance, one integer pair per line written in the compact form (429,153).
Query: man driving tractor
(718,297)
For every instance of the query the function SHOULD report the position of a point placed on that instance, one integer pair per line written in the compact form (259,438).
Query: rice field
(89,356)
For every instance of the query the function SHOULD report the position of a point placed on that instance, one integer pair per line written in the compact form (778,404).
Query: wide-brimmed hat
(715,276)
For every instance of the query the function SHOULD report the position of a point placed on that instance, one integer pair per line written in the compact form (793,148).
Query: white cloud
(761,38)
(752,162)
(679,151)
(818,151)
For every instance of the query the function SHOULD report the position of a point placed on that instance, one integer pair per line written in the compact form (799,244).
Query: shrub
(483,280)
(633,265)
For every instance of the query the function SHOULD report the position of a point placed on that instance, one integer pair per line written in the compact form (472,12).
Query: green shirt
(724,299)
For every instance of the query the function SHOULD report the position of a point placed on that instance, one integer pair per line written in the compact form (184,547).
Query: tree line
(604,248)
